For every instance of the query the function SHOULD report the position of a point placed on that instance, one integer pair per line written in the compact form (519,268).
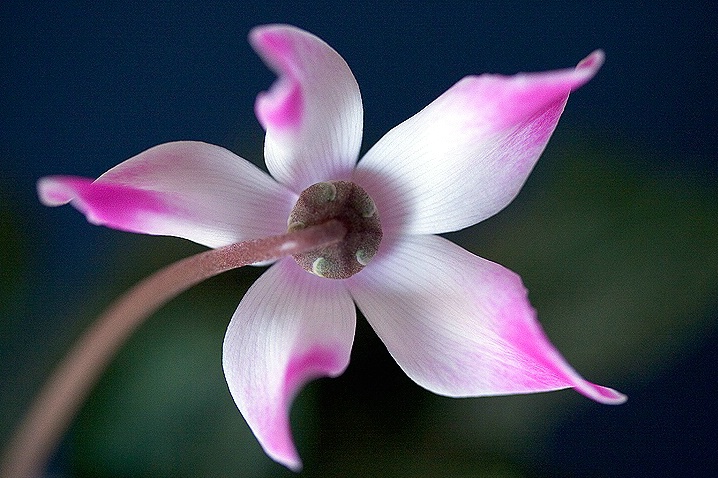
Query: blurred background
(615,235)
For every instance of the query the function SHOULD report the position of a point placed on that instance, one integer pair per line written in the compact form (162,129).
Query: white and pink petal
(460,325)
(187,189)
(313,112)
(466,155)
(290,327)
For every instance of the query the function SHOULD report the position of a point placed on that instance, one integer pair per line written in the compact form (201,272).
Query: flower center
(348,203)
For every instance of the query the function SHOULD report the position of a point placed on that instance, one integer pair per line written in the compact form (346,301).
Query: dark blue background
(85,85)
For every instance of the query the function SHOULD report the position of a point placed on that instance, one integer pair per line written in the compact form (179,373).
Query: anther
(319,266)
(363,256)
(295,225)
(369,208)
(327,191)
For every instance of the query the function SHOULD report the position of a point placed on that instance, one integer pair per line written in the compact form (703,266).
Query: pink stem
(63,394)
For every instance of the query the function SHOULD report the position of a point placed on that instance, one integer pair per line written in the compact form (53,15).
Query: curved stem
(55,406)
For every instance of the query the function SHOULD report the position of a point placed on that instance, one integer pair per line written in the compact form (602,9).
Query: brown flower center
(348,203)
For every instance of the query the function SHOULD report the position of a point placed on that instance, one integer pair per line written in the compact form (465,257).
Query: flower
(457,324)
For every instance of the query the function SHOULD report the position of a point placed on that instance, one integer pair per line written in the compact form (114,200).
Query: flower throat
(349,204)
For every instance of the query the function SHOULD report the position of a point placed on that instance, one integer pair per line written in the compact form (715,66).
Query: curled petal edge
(276,343)
(312,113)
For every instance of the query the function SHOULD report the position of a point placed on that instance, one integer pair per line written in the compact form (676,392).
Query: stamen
(319,266)
(369,208)
(295,225)
(327,192)
(363,256)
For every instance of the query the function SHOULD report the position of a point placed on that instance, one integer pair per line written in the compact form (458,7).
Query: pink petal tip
(59,190)
(594,61)
(281,106)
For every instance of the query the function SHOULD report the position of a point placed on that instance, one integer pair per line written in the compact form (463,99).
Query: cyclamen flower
(457,324)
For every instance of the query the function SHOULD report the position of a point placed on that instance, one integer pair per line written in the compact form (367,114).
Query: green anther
(320,266)
(369,208)
(295,226)
(326,192)
(363,256)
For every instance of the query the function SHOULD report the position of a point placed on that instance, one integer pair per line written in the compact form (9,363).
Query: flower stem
(65,391)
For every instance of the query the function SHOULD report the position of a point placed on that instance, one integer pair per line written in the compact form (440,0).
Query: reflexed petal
(187,189)
(460,325)
(464,157)
(312,113)
(290,327)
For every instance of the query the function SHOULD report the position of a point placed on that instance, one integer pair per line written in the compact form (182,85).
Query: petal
(464,157)
(187,189)
(312,113)
(460,325)
(290,327)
